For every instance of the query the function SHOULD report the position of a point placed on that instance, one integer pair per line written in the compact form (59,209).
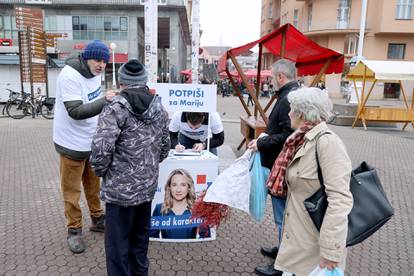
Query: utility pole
(362,28)
(151,39)
(195,39)
(354,99)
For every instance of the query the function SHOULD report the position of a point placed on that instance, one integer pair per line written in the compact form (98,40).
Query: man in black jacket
(270,143)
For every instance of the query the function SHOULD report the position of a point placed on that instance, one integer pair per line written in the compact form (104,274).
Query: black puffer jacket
(131,140)
(278,128)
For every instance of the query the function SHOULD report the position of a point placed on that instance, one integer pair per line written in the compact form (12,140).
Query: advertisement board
(182,178)
(187,97)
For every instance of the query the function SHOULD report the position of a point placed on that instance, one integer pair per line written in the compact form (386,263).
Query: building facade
(389,32)
(113,21)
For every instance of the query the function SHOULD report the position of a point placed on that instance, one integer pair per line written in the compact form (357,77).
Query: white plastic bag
(325,272)
(232,186)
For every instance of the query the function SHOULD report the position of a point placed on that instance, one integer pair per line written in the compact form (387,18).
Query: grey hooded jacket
(130,142)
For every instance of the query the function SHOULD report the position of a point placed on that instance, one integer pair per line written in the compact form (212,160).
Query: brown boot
(98,224)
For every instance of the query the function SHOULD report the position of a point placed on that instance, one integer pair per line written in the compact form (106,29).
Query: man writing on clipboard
(189,130)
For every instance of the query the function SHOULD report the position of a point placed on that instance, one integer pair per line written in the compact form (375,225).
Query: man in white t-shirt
(189,130)
(79,100)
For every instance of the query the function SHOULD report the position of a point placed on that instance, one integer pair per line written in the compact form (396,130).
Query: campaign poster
(186,97)
(181,180)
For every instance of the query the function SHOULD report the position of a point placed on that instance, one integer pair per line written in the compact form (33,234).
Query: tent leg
(238,93)
(241,144)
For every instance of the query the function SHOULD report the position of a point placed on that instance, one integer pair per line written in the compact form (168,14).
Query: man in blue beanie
(79,99)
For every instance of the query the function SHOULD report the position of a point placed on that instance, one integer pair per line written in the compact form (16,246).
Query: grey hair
(286,67)
(311,104)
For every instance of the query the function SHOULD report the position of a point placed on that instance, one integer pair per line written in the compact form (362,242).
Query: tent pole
(270,103)
(369,92)
(403,92)
(259,66)
(361,106)
(249,88)
(412,106)
(322,71)
(283,45)
(239,94)
(356,92)
(405,101)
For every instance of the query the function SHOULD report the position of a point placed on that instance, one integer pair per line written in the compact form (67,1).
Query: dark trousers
(126,239)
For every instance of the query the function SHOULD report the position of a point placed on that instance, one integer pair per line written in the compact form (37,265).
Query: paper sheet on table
(187,152)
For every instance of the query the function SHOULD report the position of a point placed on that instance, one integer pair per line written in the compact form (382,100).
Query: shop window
(392,90)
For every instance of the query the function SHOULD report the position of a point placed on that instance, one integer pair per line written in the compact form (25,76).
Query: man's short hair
(195,118)
(285,67)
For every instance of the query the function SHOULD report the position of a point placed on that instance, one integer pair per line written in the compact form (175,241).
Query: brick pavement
(32,232)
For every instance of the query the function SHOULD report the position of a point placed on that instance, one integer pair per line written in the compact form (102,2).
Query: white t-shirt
(72,86)
(179,124)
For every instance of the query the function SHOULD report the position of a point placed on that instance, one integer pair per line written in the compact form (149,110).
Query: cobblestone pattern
(32,224)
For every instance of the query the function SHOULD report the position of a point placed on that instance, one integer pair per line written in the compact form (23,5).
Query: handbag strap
(320,176)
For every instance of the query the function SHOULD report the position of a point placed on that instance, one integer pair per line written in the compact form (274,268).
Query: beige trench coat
(302,245)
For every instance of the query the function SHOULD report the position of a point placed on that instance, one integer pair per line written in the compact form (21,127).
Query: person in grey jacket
(131,140)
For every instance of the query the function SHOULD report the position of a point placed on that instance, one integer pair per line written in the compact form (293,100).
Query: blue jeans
(278,205)
(188,143)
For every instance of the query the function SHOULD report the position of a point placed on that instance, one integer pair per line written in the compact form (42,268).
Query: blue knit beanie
(96,50)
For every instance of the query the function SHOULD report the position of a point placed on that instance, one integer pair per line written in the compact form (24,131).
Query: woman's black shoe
(269,252)
(267,271)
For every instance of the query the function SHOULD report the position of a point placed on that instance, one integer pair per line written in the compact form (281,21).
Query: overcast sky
(229,22)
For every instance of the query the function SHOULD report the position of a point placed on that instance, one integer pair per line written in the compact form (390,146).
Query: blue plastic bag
(258,190)
(325,272)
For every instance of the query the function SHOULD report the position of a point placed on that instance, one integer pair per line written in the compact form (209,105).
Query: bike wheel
(47,111)
(16,109)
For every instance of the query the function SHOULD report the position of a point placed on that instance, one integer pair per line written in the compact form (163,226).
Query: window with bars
(404,9)
(344,9)
(100,27)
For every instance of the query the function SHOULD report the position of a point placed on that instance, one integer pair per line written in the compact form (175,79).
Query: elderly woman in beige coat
(294,174)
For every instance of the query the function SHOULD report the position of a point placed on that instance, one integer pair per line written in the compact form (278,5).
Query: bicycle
(18,107)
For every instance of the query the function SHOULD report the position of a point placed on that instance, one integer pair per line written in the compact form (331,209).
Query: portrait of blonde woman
(179,198)
(294,174)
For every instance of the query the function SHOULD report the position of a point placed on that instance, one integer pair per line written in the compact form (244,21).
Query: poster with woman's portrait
(180,182)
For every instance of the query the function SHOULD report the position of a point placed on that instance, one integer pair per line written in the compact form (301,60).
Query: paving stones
(32,224)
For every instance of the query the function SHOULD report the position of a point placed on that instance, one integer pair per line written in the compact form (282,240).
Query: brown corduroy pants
(72,174)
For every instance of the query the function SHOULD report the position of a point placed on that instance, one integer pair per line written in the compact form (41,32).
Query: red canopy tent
(186,72)
(252,73)
(289,43)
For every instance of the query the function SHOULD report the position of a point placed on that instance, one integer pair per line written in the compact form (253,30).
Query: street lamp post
(113,46)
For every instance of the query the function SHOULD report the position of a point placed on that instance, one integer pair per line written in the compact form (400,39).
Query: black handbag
(371,208)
